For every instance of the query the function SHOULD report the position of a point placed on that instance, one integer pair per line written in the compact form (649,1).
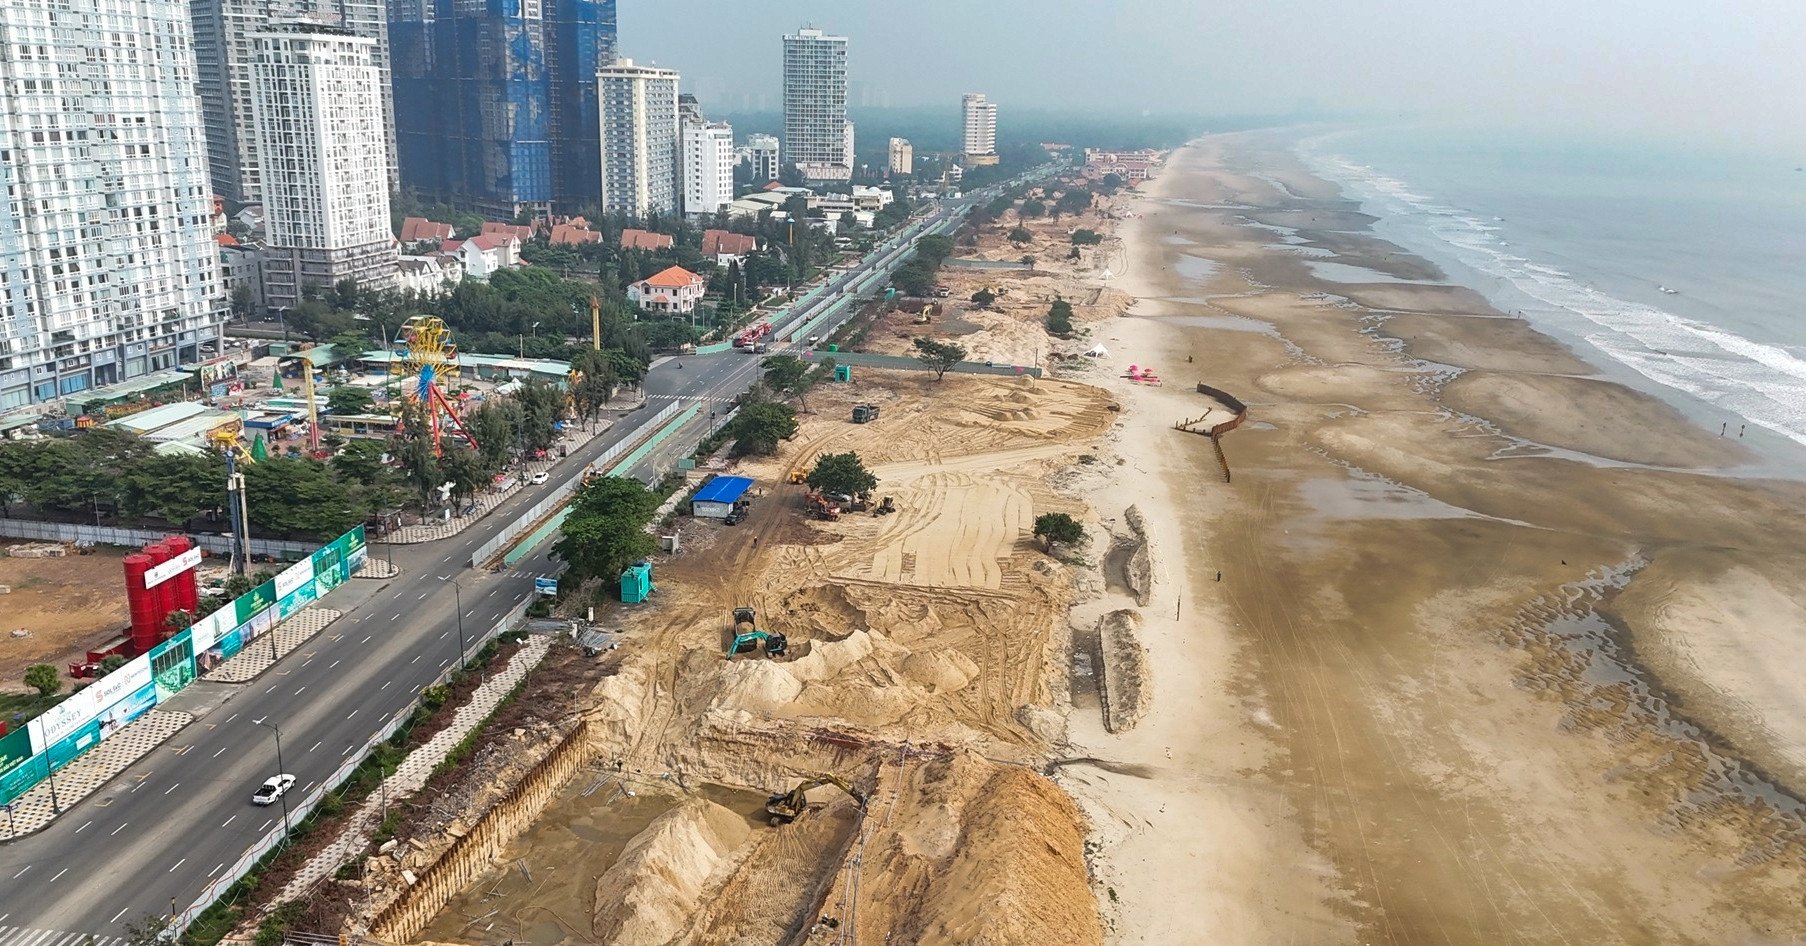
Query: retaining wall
(135,538)
(471,855)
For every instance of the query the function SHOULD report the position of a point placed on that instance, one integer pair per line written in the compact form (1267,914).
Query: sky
(1726,74)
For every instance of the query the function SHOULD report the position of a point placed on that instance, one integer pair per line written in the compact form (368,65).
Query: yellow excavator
(785,807)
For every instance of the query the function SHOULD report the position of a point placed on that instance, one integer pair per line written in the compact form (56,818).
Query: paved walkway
(354,836)
(377,568)
(433,530)
(257,657)
(90,771)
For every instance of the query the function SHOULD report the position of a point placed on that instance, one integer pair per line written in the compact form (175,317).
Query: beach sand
(1498,653)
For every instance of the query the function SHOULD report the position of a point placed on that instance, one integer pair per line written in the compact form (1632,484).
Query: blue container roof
(724,489)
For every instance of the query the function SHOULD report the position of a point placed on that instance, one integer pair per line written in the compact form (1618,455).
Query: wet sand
(1500,653)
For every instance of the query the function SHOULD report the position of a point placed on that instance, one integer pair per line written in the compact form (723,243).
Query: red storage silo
(187,593)
(164,595)
(142,603)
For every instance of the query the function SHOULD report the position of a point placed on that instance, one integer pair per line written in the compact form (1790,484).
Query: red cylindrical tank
(164,595)
(143,606)
(187,592)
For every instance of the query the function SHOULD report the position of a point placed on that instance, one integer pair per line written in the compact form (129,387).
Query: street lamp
(458,598)
(272,727)
(282,317)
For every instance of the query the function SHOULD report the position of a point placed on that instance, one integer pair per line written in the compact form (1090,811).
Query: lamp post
(458,598)
(282,317)
(272,727)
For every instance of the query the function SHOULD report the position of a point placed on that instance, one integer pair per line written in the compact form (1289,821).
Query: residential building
(222,51)
(316,106)
(981,130)
(108,266)
(725,246)
(635,239)
(639,139)
(570,234)
(762,152)
(708,163)
(817,136)
(422,230)
(485,254)
(872,198)
(673,291)
(241,268)
(1128,165)
(521,232)
(902,157)
(752,205)
(434,274)
(496,102)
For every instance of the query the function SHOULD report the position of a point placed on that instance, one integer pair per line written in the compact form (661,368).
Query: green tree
(413,447)
(43,678)
(1083,237)
(347,399)
(243,301)
(606,529)
(462,467)
(1033,208)
(1058,527)
(842,473)
(542,407)
(939,356)
(758,428)
(788,375)
(494,424)
(299,497)
(1020,234)
(594,383)
(1059,318)
(983,298)
(112,662)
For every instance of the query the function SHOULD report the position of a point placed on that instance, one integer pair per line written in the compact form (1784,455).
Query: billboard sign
(294,577)
(90,701)
(546,586)
(172,665)
(159,574)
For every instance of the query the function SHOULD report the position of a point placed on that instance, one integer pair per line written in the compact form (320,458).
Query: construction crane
(230,441)
(313,408)
(430,356)
(785,807)
(595,321)
(747,636)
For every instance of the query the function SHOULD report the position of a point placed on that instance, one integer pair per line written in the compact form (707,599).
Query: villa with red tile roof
(675,290)
(420,230)
(632,239)
(497,228)
(569,234)
(725,246)
(485,253)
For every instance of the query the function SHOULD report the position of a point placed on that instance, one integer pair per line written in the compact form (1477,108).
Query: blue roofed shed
(717,497)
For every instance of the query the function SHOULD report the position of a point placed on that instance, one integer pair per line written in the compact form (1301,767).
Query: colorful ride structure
(426,353)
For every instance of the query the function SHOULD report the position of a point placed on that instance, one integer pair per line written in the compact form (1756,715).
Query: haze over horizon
(1688,74)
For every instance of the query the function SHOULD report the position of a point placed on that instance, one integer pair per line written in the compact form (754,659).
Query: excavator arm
(786,807)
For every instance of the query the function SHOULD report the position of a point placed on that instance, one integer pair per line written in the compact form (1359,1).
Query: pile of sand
(650,895)
(1123,672)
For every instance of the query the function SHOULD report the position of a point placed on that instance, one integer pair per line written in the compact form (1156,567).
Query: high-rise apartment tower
(817,136)
(108,268)
(639,135)
(981,130)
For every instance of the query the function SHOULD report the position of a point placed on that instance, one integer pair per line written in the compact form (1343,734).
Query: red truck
(753,336)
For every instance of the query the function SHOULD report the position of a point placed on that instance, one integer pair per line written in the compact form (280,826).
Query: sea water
(1683,274)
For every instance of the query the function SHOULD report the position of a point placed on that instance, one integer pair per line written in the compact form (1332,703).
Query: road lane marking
(172,788)
(59,873)
(229,821)
(21,872)
(332,665)
(221,749)
(312,748)
(121,827)
(84,827)
(272,688)
(385,685)
(417,656)
(266,824)
(395,617)
(116,916)
(177,864)
(303,687)
(492,591)
(366,640)
(351,714)
(422,597)
(216,870)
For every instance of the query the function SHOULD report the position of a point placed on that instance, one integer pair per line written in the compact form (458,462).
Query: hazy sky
(1708,71)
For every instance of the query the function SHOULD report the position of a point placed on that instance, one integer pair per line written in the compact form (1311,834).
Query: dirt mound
(1123,678)
(971,852)
(649,896)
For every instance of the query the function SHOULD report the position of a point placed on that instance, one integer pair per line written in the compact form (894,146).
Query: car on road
(538,478)
(272,788)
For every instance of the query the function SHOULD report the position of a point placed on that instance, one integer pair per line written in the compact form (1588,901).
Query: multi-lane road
(162,831)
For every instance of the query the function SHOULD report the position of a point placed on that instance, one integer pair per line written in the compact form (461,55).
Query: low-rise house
(498,228)
(567,234)
(433,274)
(675,290)
(726,246)
(422,230)
(632,239)
(485,254)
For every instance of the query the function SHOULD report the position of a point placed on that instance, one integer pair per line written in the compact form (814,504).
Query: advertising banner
(296,600)
(172,665)
(15,750)
(20,778)
(255,602)
(158,574)
(295,576)
(89,702)
(208,630)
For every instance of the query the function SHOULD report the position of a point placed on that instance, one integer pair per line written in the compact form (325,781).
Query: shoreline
(1450,703)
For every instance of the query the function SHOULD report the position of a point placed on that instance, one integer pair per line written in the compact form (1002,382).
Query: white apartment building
(817,136)
(640,140)
(708,167)
(223,31)
(981,130)
(108,267)
(902,157)
(762,152)
(316,105)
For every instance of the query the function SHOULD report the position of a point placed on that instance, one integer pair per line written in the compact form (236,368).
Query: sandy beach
(1477,646)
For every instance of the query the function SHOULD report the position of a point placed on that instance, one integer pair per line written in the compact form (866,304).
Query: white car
(273,788)
(537,478)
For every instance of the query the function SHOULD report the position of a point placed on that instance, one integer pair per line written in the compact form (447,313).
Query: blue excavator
(748,636)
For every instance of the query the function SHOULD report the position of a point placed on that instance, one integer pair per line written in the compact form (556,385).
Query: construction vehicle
(884,508)
(865,413)
(747,636)
(798,474)
(825,508)
(785,807)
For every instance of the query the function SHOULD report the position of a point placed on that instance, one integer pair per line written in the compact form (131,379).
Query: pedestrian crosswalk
(20,936)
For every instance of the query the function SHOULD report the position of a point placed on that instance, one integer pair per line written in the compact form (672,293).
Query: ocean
(1681,274)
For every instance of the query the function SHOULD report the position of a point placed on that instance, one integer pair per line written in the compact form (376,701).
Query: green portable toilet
(890,293)
(843,372)
(834,347)
(636,583)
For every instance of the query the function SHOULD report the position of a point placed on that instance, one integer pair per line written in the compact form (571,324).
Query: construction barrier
(469,856)
(137,538)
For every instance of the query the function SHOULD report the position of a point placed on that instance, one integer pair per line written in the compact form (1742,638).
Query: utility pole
(458,598)
(272,727)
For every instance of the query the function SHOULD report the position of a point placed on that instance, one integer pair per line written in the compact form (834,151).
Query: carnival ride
(425,352)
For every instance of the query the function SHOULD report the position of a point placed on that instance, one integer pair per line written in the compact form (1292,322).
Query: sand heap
(650,894)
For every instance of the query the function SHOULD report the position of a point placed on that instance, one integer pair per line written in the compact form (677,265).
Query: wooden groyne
(1197,425)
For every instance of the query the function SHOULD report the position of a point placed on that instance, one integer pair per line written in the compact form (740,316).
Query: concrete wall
(472,854)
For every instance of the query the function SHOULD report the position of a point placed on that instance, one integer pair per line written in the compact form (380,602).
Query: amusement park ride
(428,354)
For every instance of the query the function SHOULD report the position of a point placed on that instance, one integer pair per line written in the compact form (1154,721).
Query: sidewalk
(377,568)
(93,769)
(289,635)
(573,440)
(412,773)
